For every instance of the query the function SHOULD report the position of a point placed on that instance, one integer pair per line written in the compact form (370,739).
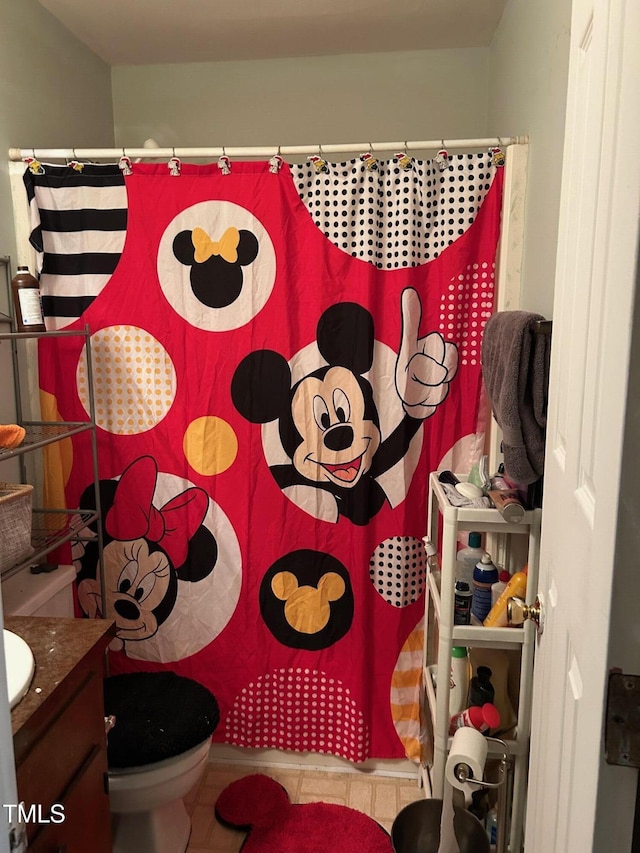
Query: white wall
(356,98)
(529,62)
(53,92)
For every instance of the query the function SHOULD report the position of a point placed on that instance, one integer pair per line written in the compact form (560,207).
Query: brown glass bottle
(26,302)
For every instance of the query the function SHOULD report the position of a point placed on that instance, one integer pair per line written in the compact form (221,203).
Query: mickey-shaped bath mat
(259,805)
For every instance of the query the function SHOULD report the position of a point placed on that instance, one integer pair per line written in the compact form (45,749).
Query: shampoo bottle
(466,559)
(480,688)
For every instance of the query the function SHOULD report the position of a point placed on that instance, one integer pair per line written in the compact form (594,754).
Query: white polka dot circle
(397,570)
(134,380)
(465,308)
(298,709)
(258,277)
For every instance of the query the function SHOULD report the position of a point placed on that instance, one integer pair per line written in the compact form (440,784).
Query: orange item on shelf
(517,586)
(11,435)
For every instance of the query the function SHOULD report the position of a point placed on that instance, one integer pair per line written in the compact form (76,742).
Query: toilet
(44,594)
(157,751)
(158,748)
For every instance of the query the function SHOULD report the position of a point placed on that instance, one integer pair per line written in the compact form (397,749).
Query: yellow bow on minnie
(205,247)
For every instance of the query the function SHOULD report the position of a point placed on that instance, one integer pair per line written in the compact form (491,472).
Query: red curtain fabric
(269,407)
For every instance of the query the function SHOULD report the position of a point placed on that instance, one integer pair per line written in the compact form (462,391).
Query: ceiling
(148,32)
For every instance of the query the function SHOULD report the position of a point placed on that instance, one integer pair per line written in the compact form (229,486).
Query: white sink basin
(20,666)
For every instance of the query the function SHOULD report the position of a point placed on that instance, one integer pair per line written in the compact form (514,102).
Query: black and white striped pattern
(78,228)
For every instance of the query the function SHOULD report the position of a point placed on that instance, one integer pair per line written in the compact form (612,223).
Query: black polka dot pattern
(397,570)
(392,217)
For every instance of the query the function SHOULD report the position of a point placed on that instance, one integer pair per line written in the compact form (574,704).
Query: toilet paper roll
(468,747)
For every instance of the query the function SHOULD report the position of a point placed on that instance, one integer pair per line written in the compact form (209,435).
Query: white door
(577,803)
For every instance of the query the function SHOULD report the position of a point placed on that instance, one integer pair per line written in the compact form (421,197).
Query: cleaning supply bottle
(26,302)
(517,586)
(480,687)
(483,719)
(459,686)
(485,575)
(466,558)
(498,588)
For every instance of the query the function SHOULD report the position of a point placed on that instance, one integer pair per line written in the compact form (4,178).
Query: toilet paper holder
(464,774)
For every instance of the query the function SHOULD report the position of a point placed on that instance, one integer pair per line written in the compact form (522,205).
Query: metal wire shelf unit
(51,526)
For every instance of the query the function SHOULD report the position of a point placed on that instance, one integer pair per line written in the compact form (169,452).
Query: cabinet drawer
(59,755)
(87,824)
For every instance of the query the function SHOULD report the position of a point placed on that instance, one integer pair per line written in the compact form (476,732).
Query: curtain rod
(152,151)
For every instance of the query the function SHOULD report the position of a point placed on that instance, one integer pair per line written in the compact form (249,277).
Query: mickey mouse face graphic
(306,600)
(146,551)
(328,421)
(339,438)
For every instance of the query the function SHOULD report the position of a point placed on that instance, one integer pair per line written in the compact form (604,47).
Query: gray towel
(515,368)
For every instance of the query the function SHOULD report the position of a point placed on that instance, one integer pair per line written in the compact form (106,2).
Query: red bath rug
(260,806)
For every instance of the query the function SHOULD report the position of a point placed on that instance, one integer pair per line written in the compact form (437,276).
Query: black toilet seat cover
(158,715)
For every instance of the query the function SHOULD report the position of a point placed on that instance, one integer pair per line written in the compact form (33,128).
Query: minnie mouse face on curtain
(146,550)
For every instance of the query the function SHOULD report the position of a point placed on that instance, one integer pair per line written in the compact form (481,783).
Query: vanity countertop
(61,647)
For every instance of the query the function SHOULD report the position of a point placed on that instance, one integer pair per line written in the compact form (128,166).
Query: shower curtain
(281,353)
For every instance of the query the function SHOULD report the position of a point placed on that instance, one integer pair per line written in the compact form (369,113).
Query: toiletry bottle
(506,500)
(432,554)
(462,603)
(26,302)
(480,688)
(517,586)
(485,575)
(498,662)
(498,588)
(466,558)
(459,686)
(482,719)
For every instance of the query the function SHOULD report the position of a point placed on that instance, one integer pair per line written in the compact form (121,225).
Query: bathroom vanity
(59,734)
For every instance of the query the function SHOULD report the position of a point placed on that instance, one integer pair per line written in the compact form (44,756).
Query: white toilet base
(165,829)
(147,809)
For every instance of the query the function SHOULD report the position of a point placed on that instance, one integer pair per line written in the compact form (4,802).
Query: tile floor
(381,797)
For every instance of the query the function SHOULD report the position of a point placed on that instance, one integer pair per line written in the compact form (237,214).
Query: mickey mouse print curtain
(281,355)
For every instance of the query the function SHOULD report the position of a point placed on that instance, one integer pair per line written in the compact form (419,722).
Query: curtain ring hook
(320,149)
(173,152)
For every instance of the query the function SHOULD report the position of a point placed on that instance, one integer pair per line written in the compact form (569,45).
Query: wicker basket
(15,524)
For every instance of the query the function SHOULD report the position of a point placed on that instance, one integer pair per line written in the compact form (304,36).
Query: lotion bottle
(517,586)
(466,558)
